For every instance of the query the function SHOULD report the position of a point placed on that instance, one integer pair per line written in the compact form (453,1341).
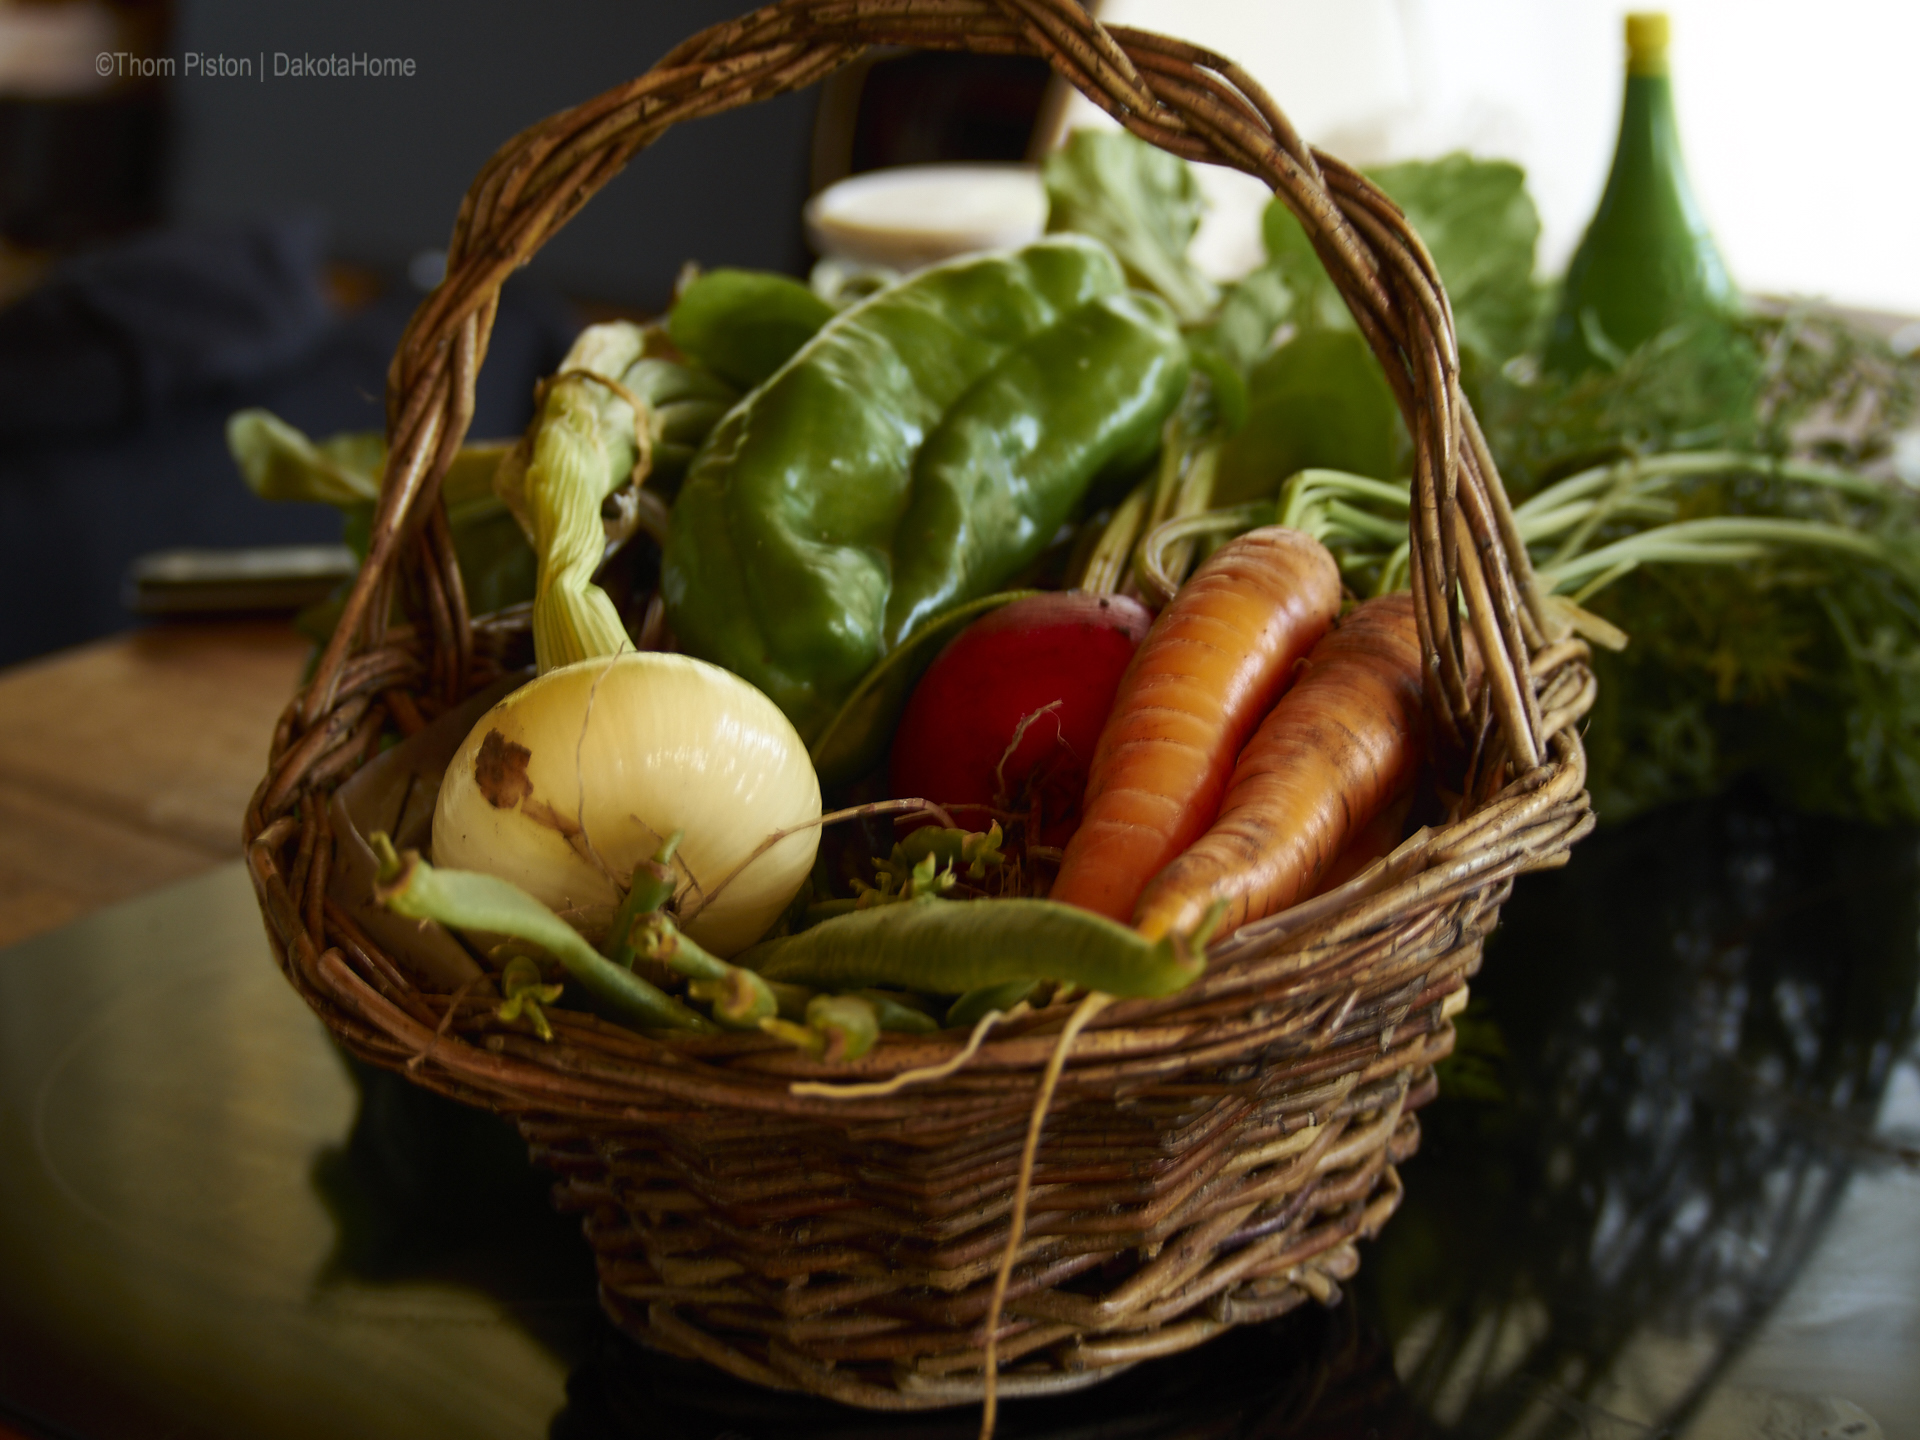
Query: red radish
(1008,714)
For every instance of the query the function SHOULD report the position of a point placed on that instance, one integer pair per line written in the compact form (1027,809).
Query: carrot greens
(1740,498)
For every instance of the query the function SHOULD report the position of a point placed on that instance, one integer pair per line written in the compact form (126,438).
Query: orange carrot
(1376,840)
(1338,747)
(1209,668)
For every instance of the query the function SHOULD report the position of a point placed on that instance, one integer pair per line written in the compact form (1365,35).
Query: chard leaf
(745,324)
(1142,202)
(1319,401)
(1476,220)
(1243,328)
(1291,259)
(1479,224)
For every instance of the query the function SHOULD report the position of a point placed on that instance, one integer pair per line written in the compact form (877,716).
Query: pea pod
(467,900)
(838,1028)
(950,947)
(916,453)
(740,998)
(975,1004)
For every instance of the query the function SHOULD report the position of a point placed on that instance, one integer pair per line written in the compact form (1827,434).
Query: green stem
(1704,462)
(1543,526)
(838,1028)
(652,886)
(1363,526)
(1107,563)
(740,998)
(1720,540)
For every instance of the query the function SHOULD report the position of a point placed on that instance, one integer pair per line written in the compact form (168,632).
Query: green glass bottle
(1647,262)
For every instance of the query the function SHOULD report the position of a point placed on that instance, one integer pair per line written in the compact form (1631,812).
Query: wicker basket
(1207,1159)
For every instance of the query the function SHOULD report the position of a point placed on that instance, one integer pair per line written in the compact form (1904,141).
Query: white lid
(915,215)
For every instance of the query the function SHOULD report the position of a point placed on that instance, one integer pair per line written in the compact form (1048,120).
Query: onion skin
(667,743)
(1066,650)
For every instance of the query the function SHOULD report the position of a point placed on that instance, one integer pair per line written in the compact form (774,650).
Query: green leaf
(1476,220)
(1251,311)
(1139,200)
(280,463)
(745,324)
(497,567)
(1480,226)
(1316,304)
(1318,402)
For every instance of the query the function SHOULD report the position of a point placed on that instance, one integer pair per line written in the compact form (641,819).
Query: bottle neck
(1647,187)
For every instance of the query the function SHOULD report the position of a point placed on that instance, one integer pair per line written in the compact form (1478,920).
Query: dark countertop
(1672,1188)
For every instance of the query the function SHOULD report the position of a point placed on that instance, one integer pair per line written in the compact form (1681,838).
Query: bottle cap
(1647,43)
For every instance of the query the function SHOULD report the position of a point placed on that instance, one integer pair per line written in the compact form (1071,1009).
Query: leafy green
(1320,399)
(1476,220)
(1292,260)
(1683,390)
(280,463)
(1142,202)
(744,324)
(1800,668)
(1242,329)
(1319,402)
(1233,339)
(1479,224)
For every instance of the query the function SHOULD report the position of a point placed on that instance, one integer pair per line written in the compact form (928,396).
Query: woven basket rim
(1329,1015)
(1184,98)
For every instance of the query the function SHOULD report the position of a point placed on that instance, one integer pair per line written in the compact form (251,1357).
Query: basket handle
(1180,97)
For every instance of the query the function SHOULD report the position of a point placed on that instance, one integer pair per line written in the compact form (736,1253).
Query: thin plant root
(873,1089)
(1092,1005)
(856,812)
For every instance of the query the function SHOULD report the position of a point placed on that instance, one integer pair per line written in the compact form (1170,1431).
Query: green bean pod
(838,1028)
(653,886)
(948,947)
(740,998)
(466,900)
(896,1013)
(973,1006)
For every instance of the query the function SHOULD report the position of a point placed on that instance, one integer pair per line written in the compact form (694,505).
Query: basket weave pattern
(1209,1158)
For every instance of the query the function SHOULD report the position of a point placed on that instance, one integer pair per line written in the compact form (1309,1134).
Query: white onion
(663,743)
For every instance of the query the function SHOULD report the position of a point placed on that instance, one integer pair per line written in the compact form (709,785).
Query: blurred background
(191,220)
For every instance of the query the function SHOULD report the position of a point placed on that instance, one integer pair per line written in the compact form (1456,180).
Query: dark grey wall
(387,160)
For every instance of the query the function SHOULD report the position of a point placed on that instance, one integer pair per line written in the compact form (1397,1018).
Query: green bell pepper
(916,453)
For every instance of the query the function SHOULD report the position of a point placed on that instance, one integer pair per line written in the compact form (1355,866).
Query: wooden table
(125,764)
